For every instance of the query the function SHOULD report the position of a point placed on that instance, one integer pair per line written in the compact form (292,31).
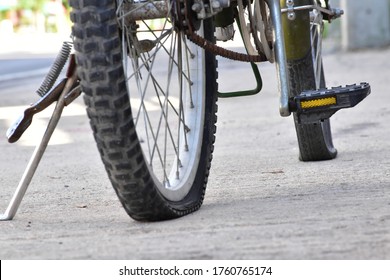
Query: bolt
(215,4)
(196,7)
(291,16)
(290,2)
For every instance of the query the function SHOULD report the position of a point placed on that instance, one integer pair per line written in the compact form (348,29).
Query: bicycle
(148,70)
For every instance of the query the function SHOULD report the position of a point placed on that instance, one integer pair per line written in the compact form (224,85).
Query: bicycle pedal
(318,105)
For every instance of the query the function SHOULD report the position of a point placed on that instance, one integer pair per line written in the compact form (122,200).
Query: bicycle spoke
(189,74)
(163,113)
(147,123)
(180,80)
(148,68)
(167,52)
(161,93)
(316,41)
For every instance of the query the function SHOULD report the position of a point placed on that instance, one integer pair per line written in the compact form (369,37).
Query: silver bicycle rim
(166,83)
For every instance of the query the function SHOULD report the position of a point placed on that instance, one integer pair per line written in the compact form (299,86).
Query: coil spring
(55,69)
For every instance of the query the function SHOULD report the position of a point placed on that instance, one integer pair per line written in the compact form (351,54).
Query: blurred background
(33,24)
(36,16)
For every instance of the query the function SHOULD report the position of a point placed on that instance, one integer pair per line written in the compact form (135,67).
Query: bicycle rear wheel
(305,69)
(151,99)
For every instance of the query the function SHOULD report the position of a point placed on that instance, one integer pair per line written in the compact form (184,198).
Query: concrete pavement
(261,202)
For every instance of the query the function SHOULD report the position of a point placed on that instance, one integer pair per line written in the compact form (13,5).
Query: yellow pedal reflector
(321,102)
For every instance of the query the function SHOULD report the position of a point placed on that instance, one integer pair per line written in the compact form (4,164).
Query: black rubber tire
(303,38)
(314,140)
(99,60)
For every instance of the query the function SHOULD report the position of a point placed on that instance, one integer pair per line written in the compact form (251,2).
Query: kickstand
(36,157)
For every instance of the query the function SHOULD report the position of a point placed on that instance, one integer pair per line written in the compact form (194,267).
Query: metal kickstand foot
(69,92)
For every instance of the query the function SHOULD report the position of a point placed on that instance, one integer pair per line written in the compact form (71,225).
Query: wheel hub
(184,16)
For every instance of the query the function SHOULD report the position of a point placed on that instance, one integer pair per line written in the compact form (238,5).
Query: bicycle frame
(284,19)
(159,9)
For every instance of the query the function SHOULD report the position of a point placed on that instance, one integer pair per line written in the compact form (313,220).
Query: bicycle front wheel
(305,69)
(151,99)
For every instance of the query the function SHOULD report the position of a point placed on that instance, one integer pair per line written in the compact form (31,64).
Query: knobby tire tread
(99,60)
(314,140)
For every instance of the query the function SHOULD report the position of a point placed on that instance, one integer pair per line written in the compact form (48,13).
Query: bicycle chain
(186,25)
(217,50)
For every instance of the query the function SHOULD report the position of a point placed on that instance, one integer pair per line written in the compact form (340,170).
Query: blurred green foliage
(34,5)
(26,10)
